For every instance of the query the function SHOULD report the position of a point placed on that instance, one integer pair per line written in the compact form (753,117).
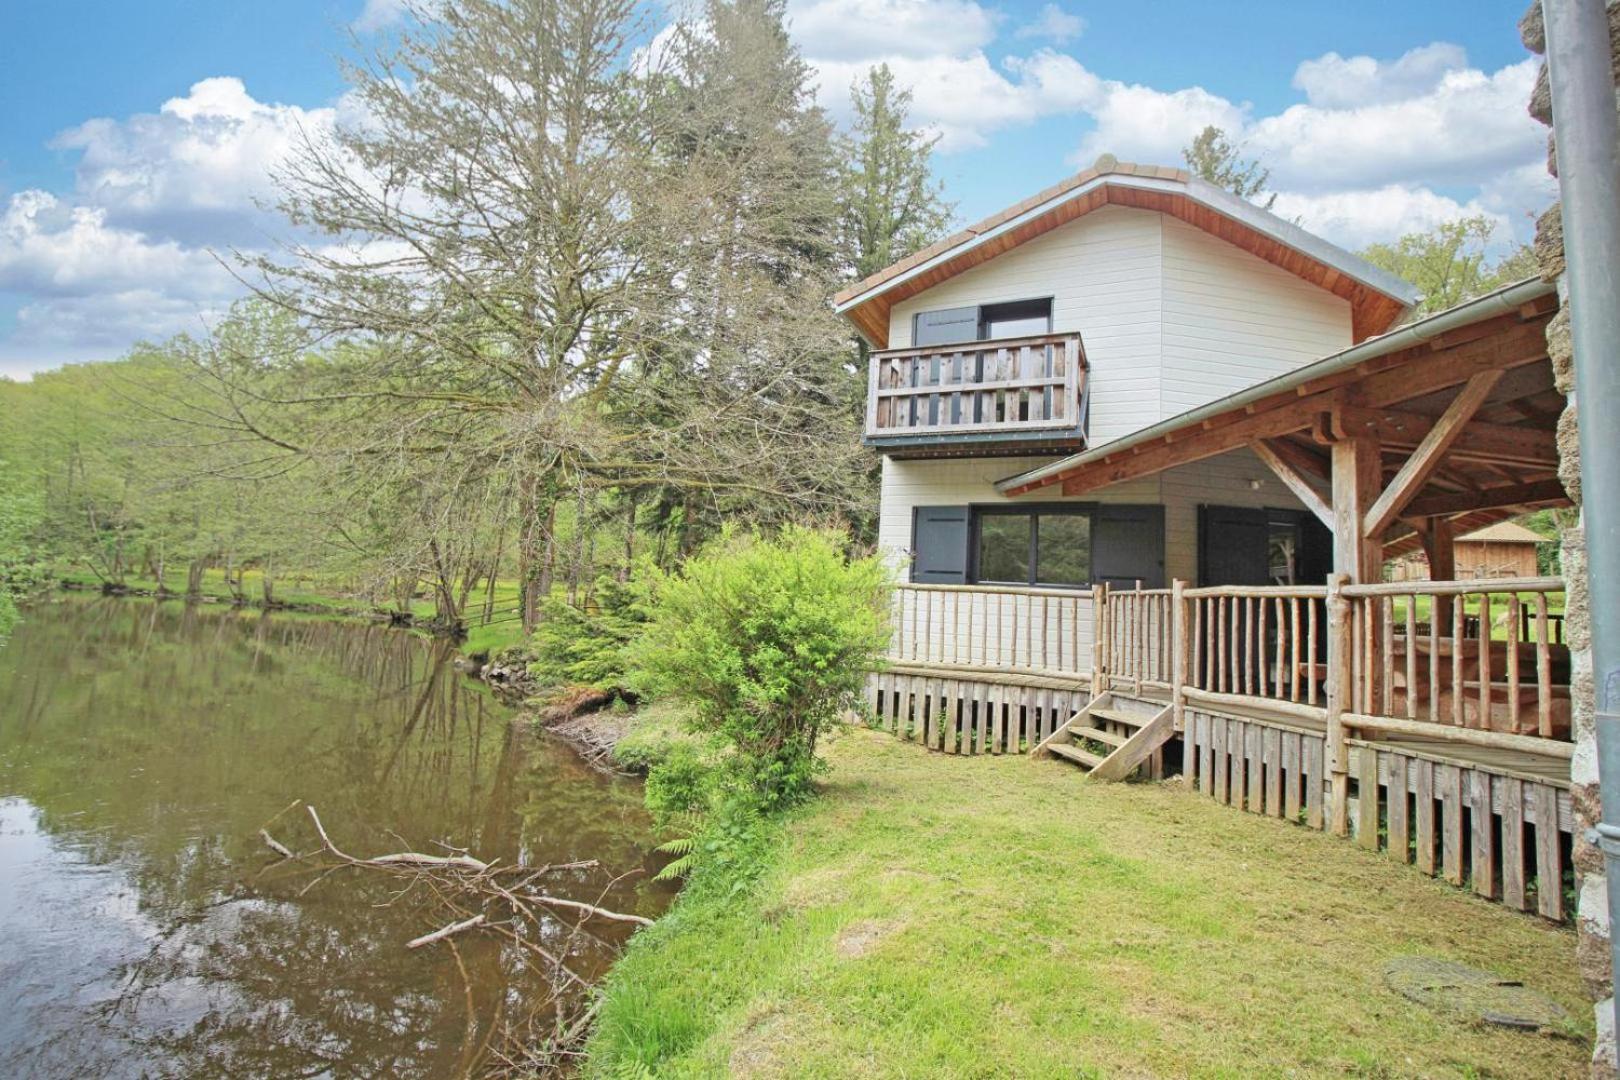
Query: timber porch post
(1099,639)
(1178,652)
(1357,557)
(1338,695)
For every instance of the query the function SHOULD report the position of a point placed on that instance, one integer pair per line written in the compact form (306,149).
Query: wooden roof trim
(1376,298)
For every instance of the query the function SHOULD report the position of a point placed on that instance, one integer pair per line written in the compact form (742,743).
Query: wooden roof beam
(1535,493)
(1479,441)
(1293,479)
(1426,458)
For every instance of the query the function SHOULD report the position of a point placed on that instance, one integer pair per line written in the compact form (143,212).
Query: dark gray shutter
(1127,546)
(939,541)
(946,327)
(1233,546)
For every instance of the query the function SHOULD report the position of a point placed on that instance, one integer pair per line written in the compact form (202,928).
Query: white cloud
(1139,123)
(1354,219)
(964,99)
(1053,24)
(873,30)
(51,249)
(1468,126)
(380,15)
(93,288)
(1334,82)
(195,169)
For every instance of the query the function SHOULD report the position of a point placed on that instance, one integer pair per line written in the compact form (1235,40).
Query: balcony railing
(1022,387)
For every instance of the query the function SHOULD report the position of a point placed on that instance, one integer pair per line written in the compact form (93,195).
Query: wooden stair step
(1075,754)
(1117,717)
(1098,735)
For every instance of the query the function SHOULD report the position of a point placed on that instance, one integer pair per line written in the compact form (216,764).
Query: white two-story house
(1119,298)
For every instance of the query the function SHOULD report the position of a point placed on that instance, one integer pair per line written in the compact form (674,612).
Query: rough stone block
(1561,351)
(1569,453)
(1549,243)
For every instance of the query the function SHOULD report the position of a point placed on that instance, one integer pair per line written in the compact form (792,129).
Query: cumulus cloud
(965,99)
(1470,124)
(1139,123)
(1053,24)
(1333,82)
(93,288)
(198,168)
(128,253)
(1356,218)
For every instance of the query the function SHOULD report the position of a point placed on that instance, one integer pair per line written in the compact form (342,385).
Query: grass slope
(945,916)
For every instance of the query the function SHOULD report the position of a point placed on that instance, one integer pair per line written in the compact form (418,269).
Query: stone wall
(1592,951)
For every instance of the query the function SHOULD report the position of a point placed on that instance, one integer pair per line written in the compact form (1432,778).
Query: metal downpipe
(1588,145)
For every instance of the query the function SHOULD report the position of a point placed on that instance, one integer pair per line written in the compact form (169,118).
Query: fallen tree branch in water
(445,931)
(538,934)
(589,909)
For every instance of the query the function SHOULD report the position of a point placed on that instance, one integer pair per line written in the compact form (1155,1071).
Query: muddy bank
(583,716)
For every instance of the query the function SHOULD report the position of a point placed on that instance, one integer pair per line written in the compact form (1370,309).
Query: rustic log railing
(1264,642)
(1470,655)
(1011,386)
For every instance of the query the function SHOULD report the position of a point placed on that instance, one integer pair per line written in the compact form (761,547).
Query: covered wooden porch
(1430,719)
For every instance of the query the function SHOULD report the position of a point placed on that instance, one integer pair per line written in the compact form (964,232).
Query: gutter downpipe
(1588,145)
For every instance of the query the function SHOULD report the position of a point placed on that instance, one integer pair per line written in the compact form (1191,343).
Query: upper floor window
(984,322)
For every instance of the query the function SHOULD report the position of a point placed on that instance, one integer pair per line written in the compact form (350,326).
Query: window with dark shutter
(945,327)
(939,545)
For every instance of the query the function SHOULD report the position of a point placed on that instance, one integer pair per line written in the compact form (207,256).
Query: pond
(147,930)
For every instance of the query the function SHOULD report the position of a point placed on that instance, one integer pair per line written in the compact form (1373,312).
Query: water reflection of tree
(158,737)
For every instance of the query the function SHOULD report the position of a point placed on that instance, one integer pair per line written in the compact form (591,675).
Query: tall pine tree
(891,205)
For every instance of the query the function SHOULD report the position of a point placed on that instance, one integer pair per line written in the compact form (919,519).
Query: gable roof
(1377,298)
(1505,532)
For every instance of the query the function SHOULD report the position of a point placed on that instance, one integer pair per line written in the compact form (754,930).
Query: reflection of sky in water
(68,927)
(142,928)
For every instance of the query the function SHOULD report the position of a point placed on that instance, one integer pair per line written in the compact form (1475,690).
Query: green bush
(766,640)
(684,782)
(586,646)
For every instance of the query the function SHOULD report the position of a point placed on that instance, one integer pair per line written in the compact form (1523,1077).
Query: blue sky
(135,138)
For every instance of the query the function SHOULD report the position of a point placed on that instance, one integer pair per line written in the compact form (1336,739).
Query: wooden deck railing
(1012,386)
(1260,642)
(1476,655)
(972,626)
(1471,661)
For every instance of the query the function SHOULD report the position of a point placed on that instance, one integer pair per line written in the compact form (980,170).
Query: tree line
(558,301)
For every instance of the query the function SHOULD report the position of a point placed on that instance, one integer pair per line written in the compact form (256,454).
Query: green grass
(504,629)
(951,916)
(1500,630)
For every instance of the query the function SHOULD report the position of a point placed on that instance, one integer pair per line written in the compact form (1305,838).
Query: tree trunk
(629,538)
(269,584)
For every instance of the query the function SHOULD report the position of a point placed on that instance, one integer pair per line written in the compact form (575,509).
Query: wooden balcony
(1022,393)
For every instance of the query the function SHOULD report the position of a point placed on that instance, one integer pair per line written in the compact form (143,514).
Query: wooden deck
(1243,682)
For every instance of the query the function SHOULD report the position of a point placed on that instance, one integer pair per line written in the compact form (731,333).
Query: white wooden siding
(1233,479)
(1231,320)
(1104,275)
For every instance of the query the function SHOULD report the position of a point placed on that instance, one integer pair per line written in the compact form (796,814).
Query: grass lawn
(989,916)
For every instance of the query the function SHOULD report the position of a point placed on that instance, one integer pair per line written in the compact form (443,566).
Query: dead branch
(445,931)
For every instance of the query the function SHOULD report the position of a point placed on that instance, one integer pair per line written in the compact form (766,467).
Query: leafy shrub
(766,639)
(684,782)
(586,646)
